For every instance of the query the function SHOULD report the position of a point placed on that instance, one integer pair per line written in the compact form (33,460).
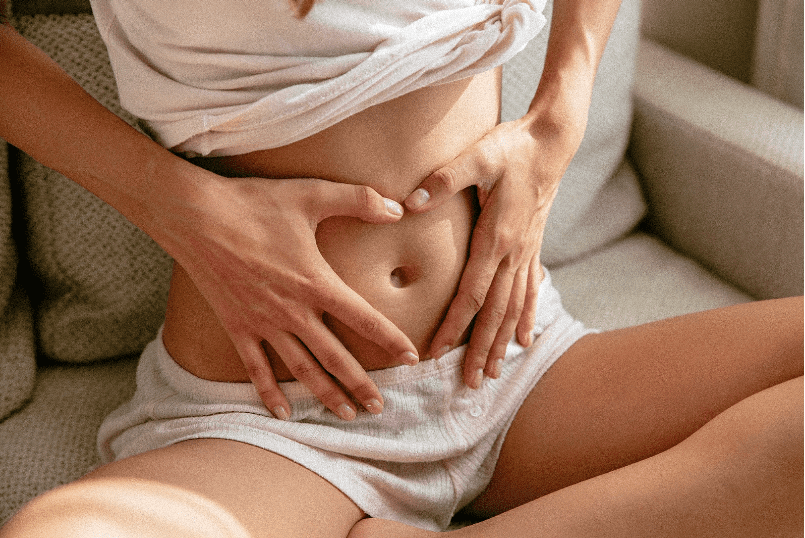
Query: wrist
(169,198)
(559,110)
(566,85)
(579,34)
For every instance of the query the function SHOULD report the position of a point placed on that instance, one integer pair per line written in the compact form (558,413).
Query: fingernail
(417,199)
(281,413)
(477,379)
(441,352)
(393,207)
(409,358)
(346,412)
(374,406)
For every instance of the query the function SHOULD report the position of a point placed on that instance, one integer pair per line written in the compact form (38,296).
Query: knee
(121,508)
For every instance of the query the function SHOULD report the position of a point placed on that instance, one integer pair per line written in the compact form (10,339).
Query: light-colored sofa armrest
(722,170)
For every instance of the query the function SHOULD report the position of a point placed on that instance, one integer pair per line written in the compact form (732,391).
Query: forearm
(579,33)
(48,115)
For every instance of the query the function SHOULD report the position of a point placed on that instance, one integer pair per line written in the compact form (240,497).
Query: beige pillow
(17,355)
(98,283)
(599,199)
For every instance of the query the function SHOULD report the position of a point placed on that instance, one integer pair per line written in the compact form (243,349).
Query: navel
(403,276)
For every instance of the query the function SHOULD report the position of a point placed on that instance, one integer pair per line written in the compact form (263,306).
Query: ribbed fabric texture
(431,452)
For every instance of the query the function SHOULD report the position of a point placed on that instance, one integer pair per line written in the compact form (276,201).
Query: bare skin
(189,212)
(691,427)
(624,436)
(664,401)
(408,271)
(271,496)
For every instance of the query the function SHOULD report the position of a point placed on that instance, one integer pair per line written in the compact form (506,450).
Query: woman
(571,430)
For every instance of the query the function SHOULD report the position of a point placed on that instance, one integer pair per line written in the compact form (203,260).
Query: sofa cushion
(17,362)
(722,170)
(51,441)
(637,280)
(716,33)
(595,174)
(99,284)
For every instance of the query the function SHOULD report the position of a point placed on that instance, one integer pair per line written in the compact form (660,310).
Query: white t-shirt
(226,78)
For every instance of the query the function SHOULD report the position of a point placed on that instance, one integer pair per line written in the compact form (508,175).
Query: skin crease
(425,252)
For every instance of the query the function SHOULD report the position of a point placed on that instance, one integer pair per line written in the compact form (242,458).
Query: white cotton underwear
(431,452)
(226,78)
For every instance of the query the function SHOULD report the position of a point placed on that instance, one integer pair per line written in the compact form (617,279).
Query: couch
(687,194)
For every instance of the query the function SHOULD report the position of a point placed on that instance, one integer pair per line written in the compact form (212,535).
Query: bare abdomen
(409,270)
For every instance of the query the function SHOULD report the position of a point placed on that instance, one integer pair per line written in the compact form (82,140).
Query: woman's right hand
(250,248)
(248,244)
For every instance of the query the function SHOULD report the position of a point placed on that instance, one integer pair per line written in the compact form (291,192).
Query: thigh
(268,494)
(622,396)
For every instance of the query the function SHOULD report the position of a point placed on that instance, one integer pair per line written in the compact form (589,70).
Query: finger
(330,199)
(497,353)
(464,171)
(259,371)
(525,326)
(335,359)
(470,297)
(310,372)
(349,308)
(487,325)
(473,287)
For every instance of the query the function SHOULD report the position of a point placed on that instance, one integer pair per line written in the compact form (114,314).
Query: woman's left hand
(516,168)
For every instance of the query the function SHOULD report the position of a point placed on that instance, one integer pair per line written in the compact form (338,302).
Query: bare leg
(685,427)
(206,488)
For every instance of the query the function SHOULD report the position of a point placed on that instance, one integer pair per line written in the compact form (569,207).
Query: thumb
(344,200)
(442,184)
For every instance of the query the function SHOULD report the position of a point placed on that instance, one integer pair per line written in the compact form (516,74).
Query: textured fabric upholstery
(637,280)
(51,441)
(17,360)
(717,33)
(777,63)
(723,172)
